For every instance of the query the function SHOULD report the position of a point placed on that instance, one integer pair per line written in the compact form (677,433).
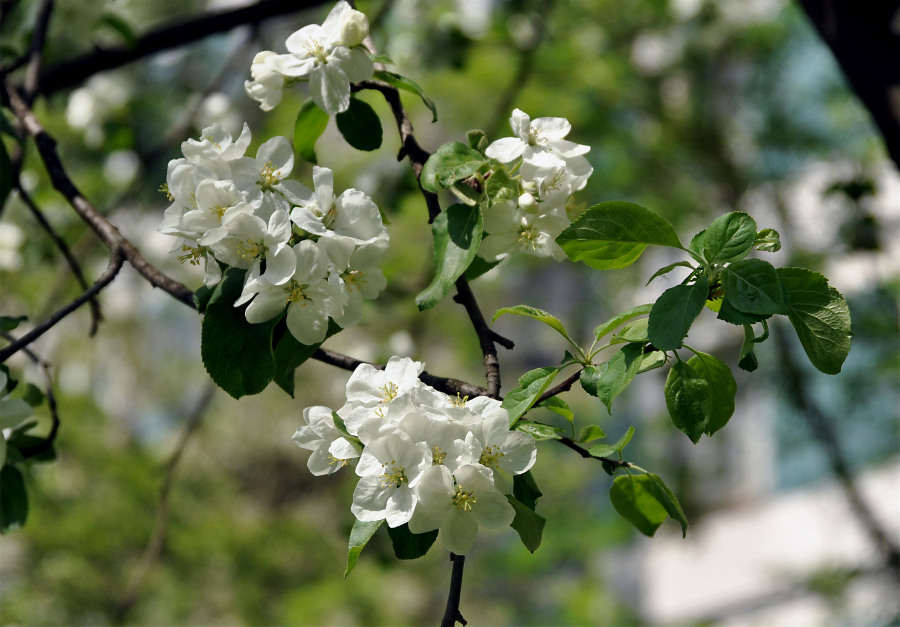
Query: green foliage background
(729,114)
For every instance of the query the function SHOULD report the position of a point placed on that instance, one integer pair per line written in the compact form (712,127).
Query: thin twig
(36,52)
(452,615)
(116,260)
(161,526)
(60,244)
(107,232)
(76,71)
(466,298)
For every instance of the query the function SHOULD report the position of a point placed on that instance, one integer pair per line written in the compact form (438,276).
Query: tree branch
(452,615)
(60,243)
(76,71)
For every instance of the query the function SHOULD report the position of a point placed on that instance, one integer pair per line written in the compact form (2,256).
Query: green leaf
(290,354)
(619,372)
(311,122)
(665,497)
(768,241)
(9,323)
(457,236)
(360,125)
(6,179)
(752,286)
(634,331)
(33,395)
(360,535)
(121,27)
(538,430)
(477,140)
(636,502)
(590,378)
(451,163)
(607,450)
(531,385)
(500,185)
(13,499)
(538,314)
(201,297)
(652,360)
(748,359)
(559,406)
(688,400)
(614,234)
(722,389)
(382,58)
(527,523)
(478,267)
(622,318)
(727,313)
(729,238)
(820,316)
(407,84)
(409,545)
(667,269)
(526,490)
(237,354)
(590,432)
(674,312)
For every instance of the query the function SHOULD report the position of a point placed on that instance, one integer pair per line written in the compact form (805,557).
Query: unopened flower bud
(528,203)
(354,29)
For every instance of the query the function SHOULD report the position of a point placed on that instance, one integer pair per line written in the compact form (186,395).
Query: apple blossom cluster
(310,252)
(329,56)
(551,168)
(422,457)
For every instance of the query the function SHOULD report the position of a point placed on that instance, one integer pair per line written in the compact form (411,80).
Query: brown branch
(161,526)
(116,260)
(60,244)
(565,386)
(452,615)
(104,229)
(466,298)
(76,71)
(36,51)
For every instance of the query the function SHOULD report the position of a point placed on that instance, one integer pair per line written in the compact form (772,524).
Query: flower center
(459,401)
(269,177)
(437,455)
(164,188)
(354,279)
(332,460)
(250,250)
(393,476)
(192,255)
(314,48)
(218,211)
(295,291)
(528,237)
(388,392)
(490,456)
(463,499)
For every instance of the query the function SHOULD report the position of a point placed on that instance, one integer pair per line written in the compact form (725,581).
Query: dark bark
(865,39)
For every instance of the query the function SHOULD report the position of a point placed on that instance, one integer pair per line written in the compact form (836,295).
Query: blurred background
(692,108)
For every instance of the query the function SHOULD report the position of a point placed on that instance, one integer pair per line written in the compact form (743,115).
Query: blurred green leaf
(360,535)
(407,84)
(311,122)
(634,500)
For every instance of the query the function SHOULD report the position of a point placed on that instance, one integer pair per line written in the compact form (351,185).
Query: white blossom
(458,504)
(331,450)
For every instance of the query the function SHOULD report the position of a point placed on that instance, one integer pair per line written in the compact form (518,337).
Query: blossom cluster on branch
(307,251)
(551,169)
(329,56)
(423,457)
